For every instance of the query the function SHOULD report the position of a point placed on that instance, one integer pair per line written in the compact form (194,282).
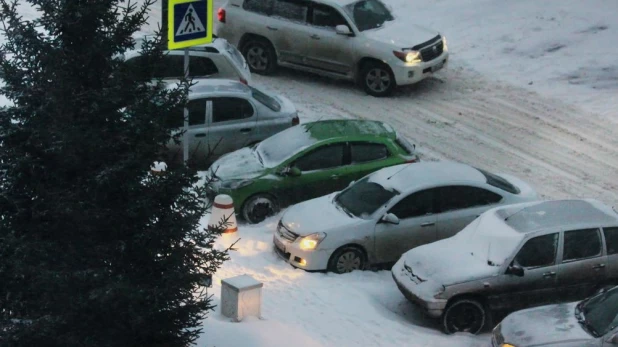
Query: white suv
(350,39)
(218,59)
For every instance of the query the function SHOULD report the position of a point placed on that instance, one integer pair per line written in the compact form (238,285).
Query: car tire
(377,79)
(464,315)
(346,259)
(259,207)
(260,56)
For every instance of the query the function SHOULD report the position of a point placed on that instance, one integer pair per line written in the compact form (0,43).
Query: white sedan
(389,212)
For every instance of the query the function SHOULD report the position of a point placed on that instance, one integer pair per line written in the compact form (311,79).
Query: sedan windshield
(368,14)
(364,198)
(601,312)
(282,146)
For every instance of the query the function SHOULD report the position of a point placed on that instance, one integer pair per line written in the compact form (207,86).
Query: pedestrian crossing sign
(189,23)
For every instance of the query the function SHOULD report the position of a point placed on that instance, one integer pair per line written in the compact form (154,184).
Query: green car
(304,162)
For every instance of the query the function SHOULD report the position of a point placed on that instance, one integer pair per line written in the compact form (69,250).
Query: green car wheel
(259,207)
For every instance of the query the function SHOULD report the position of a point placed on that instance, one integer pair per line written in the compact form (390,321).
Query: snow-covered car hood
(401,34)
(476,252)
(240,164)
(554,325)
(317,215)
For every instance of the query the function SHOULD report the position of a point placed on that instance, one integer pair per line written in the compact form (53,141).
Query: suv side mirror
(343,30)
(390,218)
(516,270)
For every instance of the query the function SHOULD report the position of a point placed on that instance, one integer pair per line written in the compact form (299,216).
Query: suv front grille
(432,52)
(285,233)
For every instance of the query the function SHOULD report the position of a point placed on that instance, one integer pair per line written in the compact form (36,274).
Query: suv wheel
(258,208)
(260,56)
(347,259)
(377,79)
(464,315)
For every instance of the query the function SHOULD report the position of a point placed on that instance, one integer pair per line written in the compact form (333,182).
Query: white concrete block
(241,296)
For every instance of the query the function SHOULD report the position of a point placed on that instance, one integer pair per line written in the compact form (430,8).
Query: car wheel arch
(249,36)
(481,299)
(271,196)
(367,60)
(350,245)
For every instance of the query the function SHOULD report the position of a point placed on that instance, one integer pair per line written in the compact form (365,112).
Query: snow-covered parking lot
(531,89)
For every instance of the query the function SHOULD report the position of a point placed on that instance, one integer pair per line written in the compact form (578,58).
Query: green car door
(314,172)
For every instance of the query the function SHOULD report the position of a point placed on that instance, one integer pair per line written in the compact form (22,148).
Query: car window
(538,251)
(581,244)
(363,152)
(197,112)
(258,6)
(611,239)
(368,14)
(325,157)
(326,17)
(415,205)
(172,67)
(228,109)
(454,198)
(291,9)
(202,66)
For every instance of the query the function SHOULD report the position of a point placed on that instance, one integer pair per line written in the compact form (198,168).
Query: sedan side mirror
(612,338)
(515,270)
(390,218)
(294,171)
(343,30)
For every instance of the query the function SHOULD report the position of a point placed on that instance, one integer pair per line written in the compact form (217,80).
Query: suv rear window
(258,6)
(265,100)
(499,182)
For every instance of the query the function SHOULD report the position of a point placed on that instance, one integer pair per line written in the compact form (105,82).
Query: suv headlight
(235,184)
(445,47)
(310,242)
(408,56)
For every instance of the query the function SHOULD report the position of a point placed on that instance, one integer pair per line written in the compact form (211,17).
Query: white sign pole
(185,142)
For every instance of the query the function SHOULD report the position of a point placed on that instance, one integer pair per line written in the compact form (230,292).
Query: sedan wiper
(258,155)
(581,319)
(340,207)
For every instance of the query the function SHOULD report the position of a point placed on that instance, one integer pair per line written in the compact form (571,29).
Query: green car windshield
(363,198)
(278,148)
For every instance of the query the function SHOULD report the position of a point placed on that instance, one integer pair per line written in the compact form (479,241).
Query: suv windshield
(368,14)
(601,312)
(364,198)
(265,100)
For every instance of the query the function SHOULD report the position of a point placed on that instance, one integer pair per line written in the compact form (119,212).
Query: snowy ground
(532,89)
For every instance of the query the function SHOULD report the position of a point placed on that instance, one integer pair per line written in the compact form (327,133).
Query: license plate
(437,67)
(279,244)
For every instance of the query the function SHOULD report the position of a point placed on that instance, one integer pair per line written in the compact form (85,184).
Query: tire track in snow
(460,116)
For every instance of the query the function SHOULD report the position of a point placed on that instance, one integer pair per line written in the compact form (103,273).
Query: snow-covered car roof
(558,215)
(410,177)
(214,86)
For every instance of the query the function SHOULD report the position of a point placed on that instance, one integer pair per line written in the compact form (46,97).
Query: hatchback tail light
(295,120)
(221,15)
(244,81)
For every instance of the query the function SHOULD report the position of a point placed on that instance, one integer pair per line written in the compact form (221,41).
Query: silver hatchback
(225,115)
(511,258)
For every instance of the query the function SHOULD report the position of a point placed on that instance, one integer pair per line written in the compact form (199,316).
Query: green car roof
(328,129)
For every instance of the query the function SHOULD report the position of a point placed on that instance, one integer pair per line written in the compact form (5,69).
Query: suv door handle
(598,266)
(245,130)
(315,37)
(549,274)
(200,135)
(427,224)
(272,28)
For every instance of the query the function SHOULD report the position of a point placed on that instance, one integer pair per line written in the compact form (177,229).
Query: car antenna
(311,125)
(398,171)
(511,215)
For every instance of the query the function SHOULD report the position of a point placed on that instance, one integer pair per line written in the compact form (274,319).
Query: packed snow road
(459,115)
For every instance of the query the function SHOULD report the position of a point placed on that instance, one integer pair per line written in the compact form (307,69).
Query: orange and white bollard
(223,209)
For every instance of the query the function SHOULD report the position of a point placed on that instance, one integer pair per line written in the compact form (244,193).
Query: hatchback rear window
(266,100)
(499,182)
(405,144)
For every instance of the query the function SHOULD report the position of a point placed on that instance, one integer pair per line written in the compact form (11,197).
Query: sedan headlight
(235,184)
(310,242)
(507,345)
